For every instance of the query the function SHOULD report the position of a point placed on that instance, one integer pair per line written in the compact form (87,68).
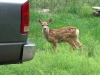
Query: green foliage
(53,5)
(80,7)
(65,61)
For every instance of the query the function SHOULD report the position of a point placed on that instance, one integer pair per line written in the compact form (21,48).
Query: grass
(65,61)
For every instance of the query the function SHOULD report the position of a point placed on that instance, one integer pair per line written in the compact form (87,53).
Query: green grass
(65,61)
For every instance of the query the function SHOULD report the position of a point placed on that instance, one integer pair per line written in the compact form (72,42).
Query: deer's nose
(44,28)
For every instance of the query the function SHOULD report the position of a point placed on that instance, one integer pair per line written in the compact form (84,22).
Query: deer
(68,34)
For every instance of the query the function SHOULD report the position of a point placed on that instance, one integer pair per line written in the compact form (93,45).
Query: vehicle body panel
(13,44)
(10,23)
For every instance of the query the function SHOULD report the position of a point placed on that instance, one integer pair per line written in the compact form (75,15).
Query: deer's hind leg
(72,44)
(78,43)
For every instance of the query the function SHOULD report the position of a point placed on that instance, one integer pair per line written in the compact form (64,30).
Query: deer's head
(45,25)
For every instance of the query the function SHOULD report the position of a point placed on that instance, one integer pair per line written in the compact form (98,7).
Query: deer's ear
(39,21)
(50,20)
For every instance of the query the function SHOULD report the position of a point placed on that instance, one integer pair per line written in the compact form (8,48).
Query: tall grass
(80,7)
(65,61)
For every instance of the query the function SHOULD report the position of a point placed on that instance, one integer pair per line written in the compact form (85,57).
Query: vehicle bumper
(28,51)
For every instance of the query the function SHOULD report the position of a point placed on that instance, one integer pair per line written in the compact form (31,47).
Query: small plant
(91,44)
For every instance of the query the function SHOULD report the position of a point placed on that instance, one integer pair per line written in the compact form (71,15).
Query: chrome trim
(28,52)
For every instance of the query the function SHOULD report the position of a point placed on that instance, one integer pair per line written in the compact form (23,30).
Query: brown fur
(67,34)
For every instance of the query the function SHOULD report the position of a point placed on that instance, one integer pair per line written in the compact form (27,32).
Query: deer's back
(63,34)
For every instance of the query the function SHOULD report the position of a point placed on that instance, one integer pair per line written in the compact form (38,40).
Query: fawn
(67,34)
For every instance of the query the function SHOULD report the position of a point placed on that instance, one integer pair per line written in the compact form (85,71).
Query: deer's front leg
(54,46)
